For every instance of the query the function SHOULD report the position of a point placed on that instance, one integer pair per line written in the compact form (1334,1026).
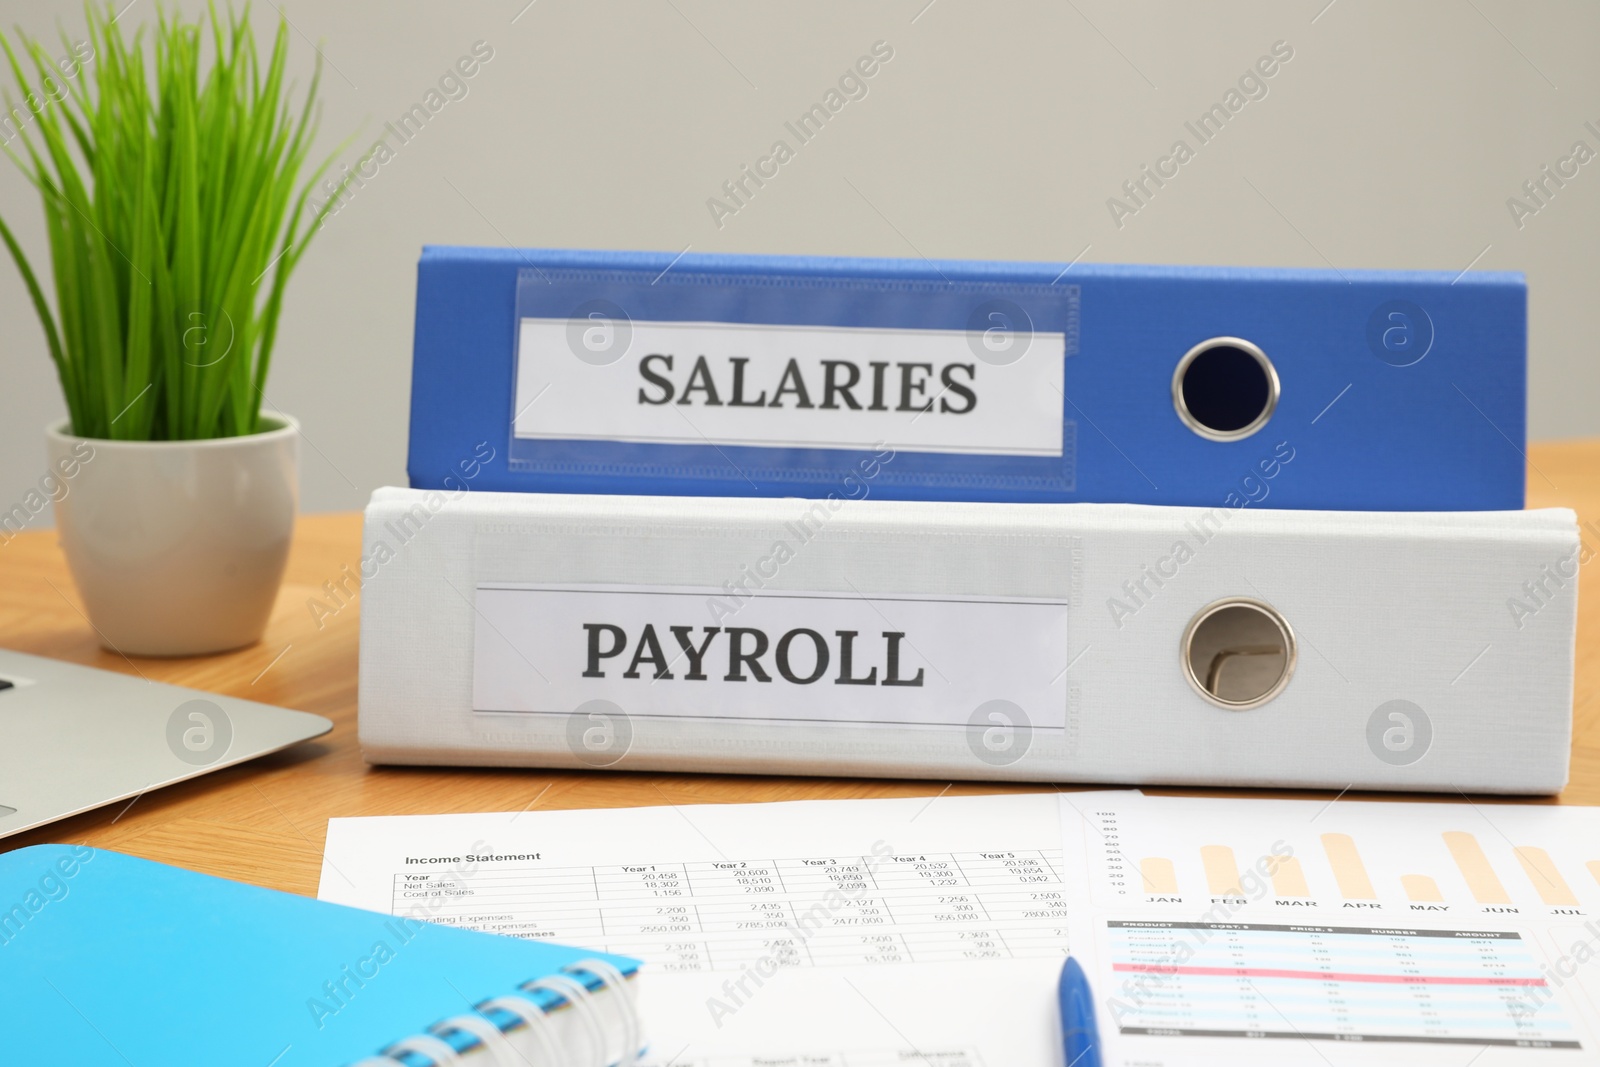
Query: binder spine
(1091,643)
(704,375)
(482,1029)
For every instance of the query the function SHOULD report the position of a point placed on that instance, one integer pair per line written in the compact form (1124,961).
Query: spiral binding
(573,991)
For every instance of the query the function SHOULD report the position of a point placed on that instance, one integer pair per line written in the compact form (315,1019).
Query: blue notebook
(109,959)
(717,375)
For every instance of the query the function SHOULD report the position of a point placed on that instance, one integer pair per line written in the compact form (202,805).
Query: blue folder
(621,372)
(106,959)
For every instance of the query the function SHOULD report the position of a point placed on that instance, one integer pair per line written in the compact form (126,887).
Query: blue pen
(1080,1037)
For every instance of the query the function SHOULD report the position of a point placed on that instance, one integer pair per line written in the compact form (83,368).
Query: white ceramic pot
(177,547)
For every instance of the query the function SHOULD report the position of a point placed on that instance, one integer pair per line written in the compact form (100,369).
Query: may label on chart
(808,657)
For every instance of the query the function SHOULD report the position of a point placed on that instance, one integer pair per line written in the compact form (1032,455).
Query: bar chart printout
(1532,862)
(1411,927)
(1338,983)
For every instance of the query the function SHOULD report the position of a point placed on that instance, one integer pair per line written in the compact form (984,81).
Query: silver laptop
(74,738)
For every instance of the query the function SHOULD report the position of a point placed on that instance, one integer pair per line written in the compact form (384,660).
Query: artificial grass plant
(173,217)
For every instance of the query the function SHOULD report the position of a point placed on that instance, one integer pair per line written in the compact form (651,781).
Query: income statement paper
(849,933)
(1329,933)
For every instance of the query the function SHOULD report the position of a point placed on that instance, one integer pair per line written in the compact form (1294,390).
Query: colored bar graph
(1222,873)
(1421,888)
(1159,877)
(1348,870)
(1475,868)
(1288,880)
(1439,928)
(1547,881)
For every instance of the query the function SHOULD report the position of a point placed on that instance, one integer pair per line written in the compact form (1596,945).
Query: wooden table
(265,821)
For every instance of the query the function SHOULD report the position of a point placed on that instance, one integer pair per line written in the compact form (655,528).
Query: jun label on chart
(718,383)
(818,657)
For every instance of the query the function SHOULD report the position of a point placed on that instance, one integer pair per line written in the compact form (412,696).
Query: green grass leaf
(167,165)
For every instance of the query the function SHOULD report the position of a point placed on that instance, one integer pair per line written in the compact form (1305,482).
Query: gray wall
(1393,138)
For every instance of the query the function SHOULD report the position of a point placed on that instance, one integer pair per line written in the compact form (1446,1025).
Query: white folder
(1039,642)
